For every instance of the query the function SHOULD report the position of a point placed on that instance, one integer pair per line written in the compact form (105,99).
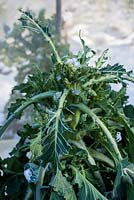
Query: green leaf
(101,157)
(54,143)
(114,69)
(102,59)
(124,180)
(130,134)
(33,24)
(20,109)
(62,186)
(119,98)
(14,106)
(129,111)
(83,57)
(130,193)
(86,189)
(35,146)
(55,196)
(110,139)
(22,88)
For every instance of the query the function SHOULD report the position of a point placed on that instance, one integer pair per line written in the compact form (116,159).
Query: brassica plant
(81,143)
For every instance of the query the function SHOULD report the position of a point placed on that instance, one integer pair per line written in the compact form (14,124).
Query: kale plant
(81,143)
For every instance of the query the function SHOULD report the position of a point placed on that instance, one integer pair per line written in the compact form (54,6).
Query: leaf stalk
(19,110)
(110,139)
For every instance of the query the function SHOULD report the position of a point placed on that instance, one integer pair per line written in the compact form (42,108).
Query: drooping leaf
(86,189)
(20,109)
(62,187)
(35,25)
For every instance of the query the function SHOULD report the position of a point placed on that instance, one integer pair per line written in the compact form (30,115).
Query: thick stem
(110,139)
(34,99)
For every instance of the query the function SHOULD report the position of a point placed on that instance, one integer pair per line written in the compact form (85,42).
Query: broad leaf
(62,186)
(86,189)
(54,143)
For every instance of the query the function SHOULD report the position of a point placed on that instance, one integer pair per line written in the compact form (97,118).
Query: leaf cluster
(72,139)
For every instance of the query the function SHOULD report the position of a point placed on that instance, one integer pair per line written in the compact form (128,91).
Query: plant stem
(47,38)
(128,78)
(34,99)
(102,79)
(58,113)
(111,140)
(80,144)
(39,183)
(101,157)
(28,193)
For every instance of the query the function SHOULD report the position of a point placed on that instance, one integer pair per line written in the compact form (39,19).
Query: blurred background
(104,24)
